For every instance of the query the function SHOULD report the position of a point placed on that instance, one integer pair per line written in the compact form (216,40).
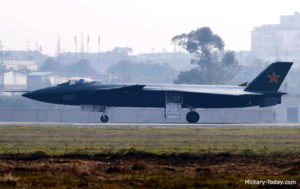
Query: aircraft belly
(132,99)
(218,101)
(157,99)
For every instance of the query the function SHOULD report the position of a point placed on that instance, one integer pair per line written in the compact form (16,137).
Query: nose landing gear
(192,117)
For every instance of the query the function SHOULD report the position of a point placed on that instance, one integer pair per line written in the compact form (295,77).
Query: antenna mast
(82,47)
(1,51)
(99,42)
(277,54)
(58,46)
(87,46)
(75,40)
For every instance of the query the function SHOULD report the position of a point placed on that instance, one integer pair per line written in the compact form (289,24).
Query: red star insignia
(273,78)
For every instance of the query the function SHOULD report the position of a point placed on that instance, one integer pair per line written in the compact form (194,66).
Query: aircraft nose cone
(28,95)
(36,95)
(43,95)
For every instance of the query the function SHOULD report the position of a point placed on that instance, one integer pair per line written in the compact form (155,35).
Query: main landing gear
(97,108)
(104,118)
(192,117)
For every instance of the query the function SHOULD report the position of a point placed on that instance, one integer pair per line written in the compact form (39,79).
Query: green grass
(128,157)
(65,140)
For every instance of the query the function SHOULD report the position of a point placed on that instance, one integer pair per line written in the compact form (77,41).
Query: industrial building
(37,80)
(278,41)
(19,64)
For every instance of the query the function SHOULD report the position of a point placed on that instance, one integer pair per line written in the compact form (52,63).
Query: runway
(155,125)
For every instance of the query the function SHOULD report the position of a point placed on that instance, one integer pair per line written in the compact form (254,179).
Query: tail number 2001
(69,98)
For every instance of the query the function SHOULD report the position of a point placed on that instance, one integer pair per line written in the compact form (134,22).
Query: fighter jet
(96,96)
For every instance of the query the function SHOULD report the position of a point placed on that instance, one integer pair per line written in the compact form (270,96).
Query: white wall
(14,78)
(150,115)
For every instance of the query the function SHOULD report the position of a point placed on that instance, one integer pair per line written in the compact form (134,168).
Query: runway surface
(157,125)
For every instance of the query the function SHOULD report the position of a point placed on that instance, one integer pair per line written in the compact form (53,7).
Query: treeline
(141,72)
(78,68)
(207,62)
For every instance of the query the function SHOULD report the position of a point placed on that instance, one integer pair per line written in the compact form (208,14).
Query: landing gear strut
(192,117)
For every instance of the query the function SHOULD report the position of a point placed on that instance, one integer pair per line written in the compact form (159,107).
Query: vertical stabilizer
(271,78)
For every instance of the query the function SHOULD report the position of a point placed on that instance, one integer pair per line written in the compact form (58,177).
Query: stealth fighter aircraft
(95,96)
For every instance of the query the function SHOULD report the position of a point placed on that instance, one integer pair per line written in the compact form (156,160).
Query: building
(36,80)
(13,81)
(19,64)
(278,41)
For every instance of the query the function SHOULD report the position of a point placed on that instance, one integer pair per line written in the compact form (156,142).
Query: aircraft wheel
(192,117)
(104,118)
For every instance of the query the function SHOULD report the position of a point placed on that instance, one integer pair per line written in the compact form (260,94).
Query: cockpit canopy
(77,81)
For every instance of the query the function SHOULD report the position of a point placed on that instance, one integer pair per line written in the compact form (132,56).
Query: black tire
(104,118)
(192,117)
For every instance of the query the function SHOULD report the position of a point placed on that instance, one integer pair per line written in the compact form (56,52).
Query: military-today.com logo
(271,182)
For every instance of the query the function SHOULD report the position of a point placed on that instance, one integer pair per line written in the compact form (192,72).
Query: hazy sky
(139,24)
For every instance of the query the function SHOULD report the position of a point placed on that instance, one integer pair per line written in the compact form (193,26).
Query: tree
(123,51)
(81,68)
(142,72)
(208,47)
(201,42)
(51,65)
